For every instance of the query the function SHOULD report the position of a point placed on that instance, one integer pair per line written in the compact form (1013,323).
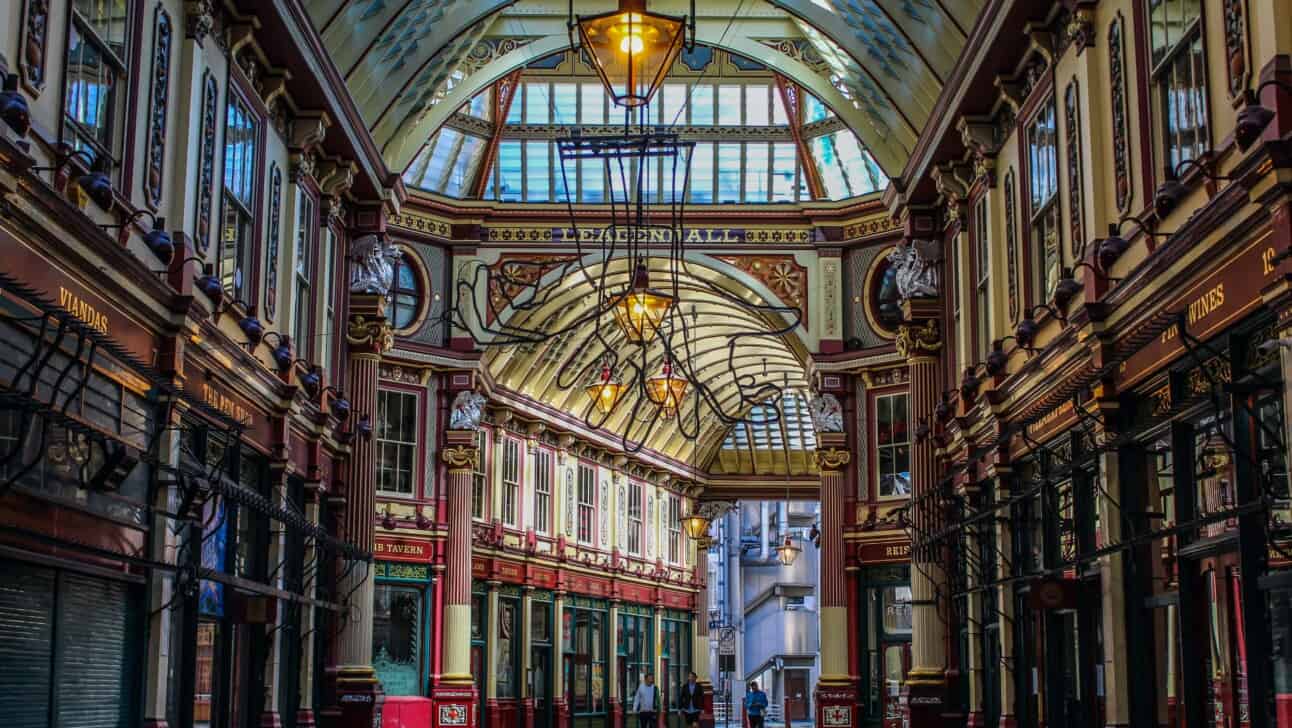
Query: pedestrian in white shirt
(646,703)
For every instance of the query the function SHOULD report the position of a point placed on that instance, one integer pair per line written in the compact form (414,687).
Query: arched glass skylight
(746,150)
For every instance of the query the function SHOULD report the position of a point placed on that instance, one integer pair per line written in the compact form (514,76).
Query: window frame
(240,96)
(408,260)
(544,476)
(635,508)
(586,508)
(1042,213)
(385,391)
(675,553)
(70,130)
(1160,74)
(877,447)
(480,477)
(981,247)
(512,476)
(307,248)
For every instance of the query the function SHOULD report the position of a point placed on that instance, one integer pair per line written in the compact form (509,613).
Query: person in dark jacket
(691,701)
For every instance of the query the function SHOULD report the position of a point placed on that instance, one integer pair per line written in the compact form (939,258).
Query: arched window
(406,295)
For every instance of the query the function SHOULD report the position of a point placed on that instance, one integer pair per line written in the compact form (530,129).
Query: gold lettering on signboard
(1198,309)
(88,315)
(225,404)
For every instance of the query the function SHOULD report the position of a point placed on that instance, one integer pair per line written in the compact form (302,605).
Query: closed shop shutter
(26,644)
(98,673)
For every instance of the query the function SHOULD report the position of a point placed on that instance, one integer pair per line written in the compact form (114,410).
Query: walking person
(691,702)
(646,703)
(755,705)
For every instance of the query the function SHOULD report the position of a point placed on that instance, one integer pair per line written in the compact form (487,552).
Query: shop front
(586,628)
(674,661)
(884,632)
(402,627)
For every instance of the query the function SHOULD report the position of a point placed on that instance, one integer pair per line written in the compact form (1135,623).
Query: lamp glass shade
(666,391)
(788,552)
(640,311)
(605,395)
(631,50)
(696,526)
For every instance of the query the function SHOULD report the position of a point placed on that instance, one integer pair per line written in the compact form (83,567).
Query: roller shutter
(97,677)
(26,644)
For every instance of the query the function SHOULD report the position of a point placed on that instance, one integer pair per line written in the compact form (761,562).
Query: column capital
(367,330)
(832,459)
(918,339)
(461,457)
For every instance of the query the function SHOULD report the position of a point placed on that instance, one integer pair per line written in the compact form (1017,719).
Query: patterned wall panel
(856,263)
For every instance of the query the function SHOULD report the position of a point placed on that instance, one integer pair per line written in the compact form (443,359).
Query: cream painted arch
(400,140)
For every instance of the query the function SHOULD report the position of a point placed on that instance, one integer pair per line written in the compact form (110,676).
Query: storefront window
(884,638)
(635,646)
(585,658)
(506,647)
(892,445)
(675,659)
(397,638)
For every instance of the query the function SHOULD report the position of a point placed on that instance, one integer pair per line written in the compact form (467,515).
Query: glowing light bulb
(632,43)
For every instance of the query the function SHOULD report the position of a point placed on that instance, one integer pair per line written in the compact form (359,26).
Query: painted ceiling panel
(927,27)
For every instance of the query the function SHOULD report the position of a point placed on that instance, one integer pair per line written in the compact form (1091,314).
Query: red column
(835,694)
(454,695)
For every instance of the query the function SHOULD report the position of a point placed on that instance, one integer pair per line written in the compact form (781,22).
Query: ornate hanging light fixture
(666,391)
(632,49)
(640,310)
(606,392)
(788,552)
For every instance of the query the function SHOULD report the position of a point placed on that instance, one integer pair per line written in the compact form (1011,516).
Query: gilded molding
(371,334)
(915,340)
(460,457)
(832,459)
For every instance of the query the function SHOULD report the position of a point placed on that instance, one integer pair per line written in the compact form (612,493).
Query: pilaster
(454,695)
(835,695)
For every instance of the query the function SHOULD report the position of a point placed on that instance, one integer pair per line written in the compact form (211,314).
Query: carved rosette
(460,457)
(163,35)
(914,340)
(832,459)
(372,335)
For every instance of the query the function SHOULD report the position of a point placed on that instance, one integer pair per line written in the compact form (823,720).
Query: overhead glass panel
(674,103)
(729,172)
(592,181)
(784,167)
(702,174)
(538,102)
(827,163)
(565,100)
(511,178)
(757,106)
(701,104)
(592,103)
(757,171)
(729,103)
(538,171)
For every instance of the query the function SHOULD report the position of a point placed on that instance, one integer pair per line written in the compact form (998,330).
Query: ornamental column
(919,340)
(835,695)
(700,644)
(454,696)
(358,692)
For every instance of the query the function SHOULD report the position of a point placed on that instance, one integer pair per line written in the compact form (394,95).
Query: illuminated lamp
(788,552)
(696,525)
(666,391)
(631,49)
(606,392)
(640,310)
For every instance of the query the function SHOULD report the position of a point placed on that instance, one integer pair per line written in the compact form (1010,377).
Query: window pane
(779,117)
(564,98)
(509,171)
(107,19)
(729,105)
(537,100)
(729,172)
(858,167)
(593,99)
(813,109)
(592,180)
(756,105)
(757,159)
(701,104)
(90,86)
(784,162)
(826,158)
(517,109)
(537,171)
(702,174)
(480,105)
(463,170)
(674,103)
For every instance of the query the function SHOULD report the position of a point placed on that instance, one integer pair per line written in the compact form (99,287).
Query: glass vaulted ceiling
(746,150)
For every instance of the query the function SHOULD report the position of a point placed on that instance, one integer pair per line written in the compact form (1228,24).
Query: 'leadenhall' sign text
(649,235)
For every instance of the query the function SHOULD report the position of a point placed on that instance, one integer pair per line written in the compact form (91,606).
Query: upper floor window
(329,290)
(674,530)
(96,74)
(893,445)
(510,481)
(479,476)
(982,279)
(587,495)
(634,518)
(1043,176)
(405,295)
(305,218)
(1179,78)
(542,490)
(241,135)
(396,441)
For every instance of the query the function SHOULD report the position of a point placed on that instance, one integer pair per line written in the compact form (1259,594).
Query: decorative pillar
(526,652)
(358,692)
(560,707)
(700,643)
(454,695)
(919,341)
(161,592)
(835,695)
(493,716)
(305,711)
(1002,476)
(616,690)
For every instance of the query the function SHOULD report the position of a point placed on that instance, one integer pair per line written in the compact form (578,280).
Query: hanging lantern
(640,310)
(788,552)
(696,525)
(666,391)
(605,393)
(631,49)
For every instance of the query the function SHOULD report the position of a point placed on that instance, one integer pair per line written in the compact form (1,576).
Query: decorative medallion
(1121,145)
(206,171)
(35,35)
(1236,46)
(453,715)
(915,340)
(1075,191)
(271,247)
(780,273)
(836,716)
(1011,246)
(163,36)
